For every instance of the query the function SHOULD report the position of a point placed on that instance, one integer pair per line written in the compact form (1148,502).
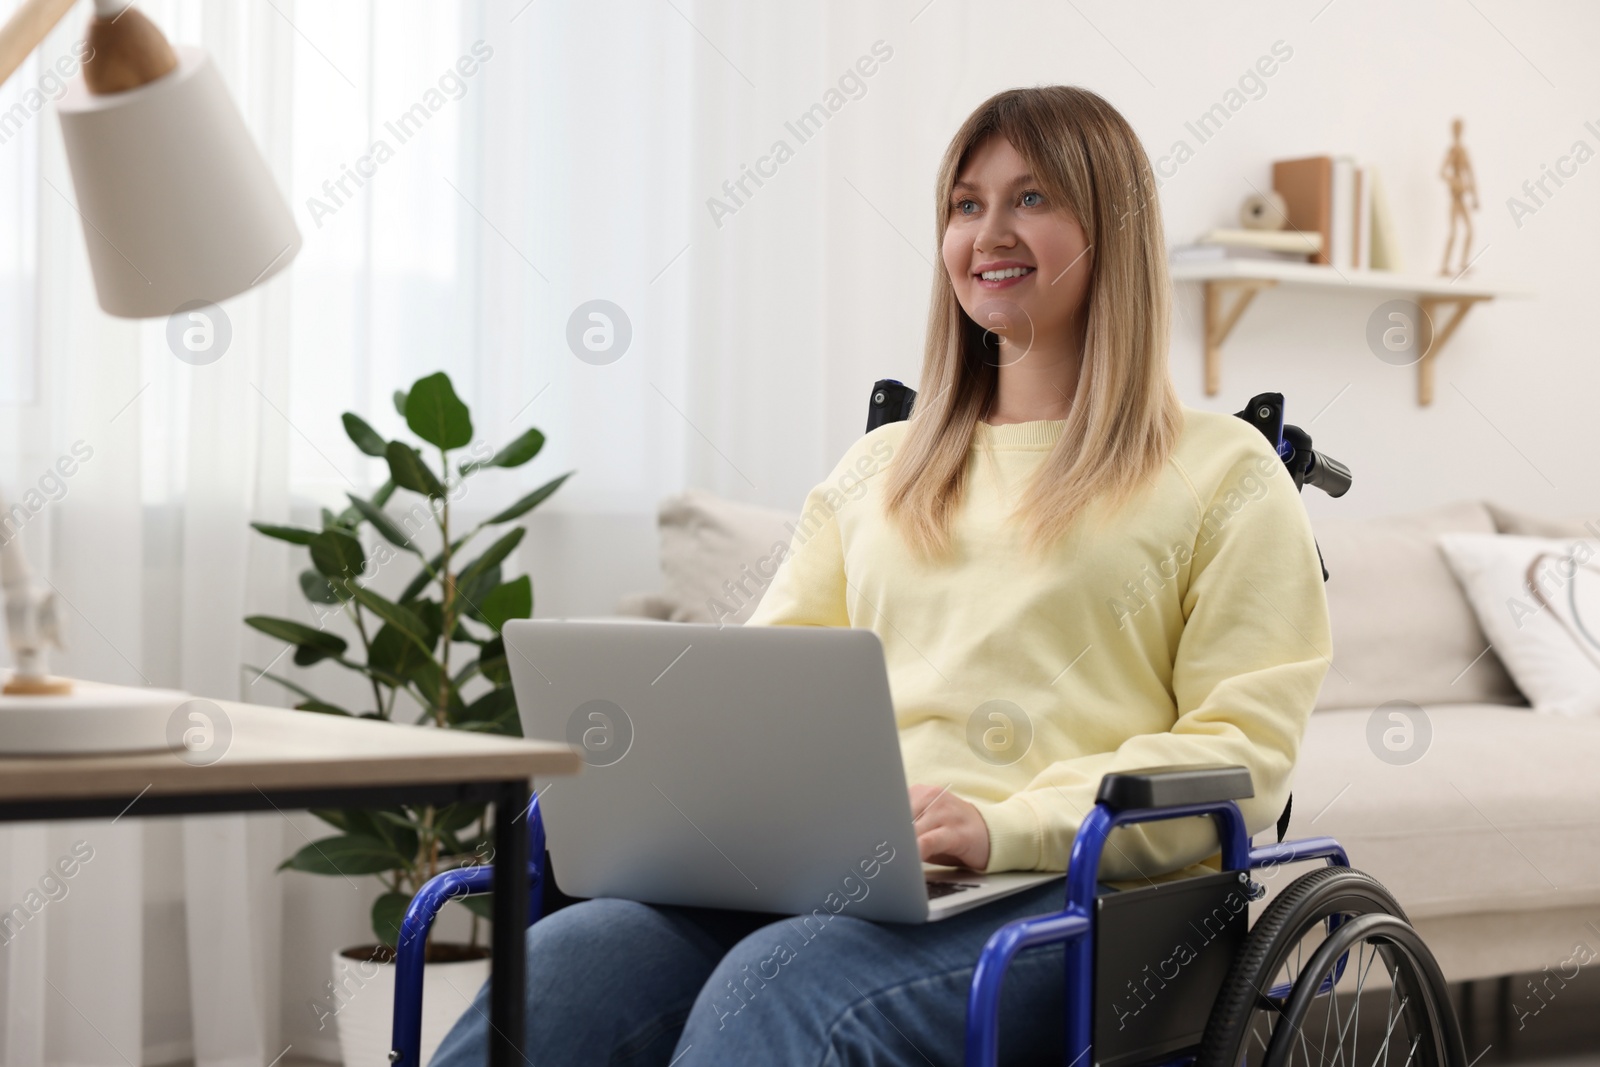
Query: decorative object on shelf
(408,645)
(1264,211)
(1433,297)
(1456,172)
(166,226)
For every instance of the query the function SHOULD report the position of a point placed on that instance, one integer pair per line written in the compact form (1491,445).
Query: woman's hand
(949,830)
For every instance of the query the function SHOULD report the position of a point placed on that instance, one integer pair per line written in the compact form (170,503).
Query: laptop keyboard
(944,889)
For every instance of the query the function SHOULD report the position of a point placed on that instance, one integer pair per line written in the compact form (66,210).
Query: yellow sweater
(1192,627)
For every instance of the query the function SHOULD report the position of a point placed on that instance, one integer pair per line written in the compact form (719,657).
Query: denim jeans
(618,982)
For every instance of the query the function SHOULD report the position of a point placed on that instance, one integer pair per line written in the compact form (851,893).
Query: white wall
(1516,388)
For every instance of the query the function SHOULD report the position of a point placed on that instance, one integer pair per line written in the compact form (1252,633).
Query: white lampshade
(178,206)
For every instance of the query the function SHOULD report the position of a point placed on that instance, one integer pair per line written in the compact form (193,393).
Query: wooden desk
(290,760)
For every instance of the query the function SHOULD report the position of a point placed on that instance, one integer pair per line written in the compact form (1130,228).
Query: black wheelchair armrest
(1171,787)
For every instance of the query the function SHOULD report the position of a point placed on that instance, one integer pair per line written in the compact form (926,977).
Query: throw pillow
(712,553)
(1538,599)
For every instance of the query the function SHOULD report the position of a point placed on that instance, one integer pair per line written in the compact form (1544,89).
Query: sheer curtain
(465,176)
(453,221)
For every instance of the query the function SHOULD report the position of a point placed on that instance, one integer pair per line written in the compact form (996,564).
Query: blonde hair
(1125,415)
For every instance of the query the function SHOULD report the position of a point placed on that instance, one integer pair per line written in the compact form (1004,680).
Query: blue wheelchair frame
(1074,926)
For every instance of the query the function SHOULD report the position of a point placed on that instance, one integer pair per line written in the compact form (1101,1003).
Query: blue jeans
(618,982)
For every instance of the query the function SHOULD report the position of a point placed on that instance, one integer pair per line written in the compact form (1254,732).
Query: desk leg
(508,979)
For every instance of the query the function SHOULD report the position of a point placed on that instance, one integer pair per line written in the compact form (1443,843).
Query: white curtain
(465,176)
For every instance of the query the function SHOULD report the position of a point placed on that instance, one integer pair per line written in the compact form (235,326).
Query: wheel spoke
(1389,1033)
(1412,1051)
(1361,983)
(1333,1014)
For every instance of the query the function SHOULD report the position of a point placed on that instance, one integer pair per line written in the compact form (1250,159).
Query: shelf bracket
(1433,340)
(1220,323)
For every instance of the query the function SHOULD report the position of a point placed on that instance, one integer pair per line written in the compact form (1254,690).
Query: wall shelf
(1242,279)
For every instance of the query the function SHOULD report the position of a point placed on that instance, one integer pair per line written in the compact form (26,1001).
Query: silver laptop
(748,767)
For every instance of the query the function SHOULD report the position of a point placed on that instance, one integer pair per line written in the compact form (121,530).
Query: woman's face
(1008,249)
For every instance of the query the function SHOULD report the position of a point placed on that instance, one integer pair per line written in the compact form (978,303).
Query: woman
(1071,574)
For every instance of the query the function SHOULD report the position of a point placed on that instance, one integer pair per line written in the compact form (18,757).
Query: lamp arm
(31,624)
(26,29)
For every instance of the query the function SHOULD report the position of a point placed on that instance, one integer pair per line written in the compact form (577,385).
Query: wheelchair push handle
(893,400)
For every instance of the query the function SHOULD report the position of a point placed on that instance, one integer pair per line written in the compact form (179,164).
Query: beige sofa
(1481,815)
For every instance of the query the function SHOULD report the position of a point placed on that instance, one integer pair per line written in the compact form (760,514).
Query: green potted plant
(434,655)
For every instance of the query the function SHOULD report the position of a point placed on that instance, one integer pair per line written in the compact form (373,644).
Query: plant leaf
(394,653)
(320,707)
(481,587)
(513,600)
(387,913)
(454,817)
(492,662)
(333,817)
(481,905)
(295,535)
(403,619)
(436,414)
(492,706)
(519,451)
(398,827)
(309,656)
(291,686)
(385,491)
(424,576)
(365,437)
(492,556)
(429,678)
(298,634)
(529,502)
(400,402)
(337,554)
(346,854)
(515,454)
(381,522)
(409,472)
(318,589)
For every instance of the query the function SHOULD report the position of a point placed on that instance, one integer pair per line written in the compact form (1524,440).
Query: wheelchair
(1171,974)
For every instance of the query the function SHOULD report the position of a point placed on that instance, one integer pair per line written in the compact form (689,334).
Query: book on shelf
(1214,252)
(1274,240)
(1343,202)
(1383,241)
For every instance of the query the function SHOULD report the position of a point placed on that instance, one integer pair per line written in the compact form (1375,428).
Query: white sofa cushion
(709,550)
(1538,599)
(1500,811)
(1402,626)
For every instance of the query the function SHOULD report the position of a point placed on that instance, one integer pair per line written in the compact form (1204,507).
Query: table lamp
(179,210)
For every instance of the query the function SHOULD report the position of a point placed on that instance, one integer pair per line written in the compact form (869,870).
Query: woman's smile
(1003,274)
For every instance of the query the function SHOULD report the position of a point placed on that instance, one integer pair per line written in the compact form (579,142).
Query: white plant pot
(361,1003)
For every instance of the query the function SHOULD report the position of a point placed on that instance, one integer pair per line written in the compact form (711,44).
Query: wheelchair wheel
(1368,991)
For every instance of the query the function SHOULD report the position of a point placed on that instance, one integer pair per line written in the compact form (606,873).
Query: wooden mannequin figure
(1457,173)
